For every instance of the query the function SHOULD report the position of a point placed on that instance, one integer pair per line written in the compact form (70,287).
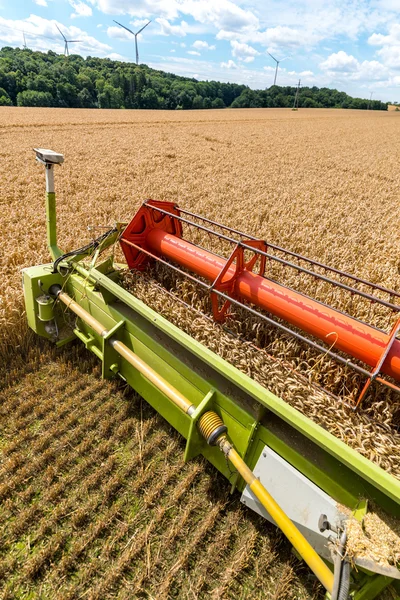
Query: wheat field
(320,182)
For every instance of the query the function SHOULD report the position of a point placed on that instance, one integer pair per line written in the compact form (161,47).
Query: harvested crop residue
(376,538)
(368,432)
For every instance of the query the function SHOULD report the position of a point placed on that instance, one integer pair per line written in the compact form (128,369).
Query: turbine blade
(272,56)
(144,26)
(73,41)
(61,32)
(123,26)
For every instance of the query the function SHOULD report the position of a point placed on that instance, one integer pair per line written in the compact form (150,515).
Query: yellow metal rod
(304,548)
(82,313)
(123,350)
(161,383)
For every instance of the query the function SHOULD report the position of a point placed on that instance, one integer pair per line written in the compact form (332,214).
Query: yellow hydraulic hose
(213,430)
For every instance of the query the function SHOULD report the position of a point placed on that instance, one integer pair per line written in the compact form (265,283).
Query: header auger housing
(155,233)
(224,414)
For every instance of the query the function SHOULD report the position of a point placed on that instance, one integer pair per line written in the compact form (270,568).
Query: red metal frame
(227,285)
(146,219)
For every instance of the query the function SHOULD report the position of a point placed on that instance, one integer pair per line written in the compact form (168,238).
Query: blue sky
(353,45)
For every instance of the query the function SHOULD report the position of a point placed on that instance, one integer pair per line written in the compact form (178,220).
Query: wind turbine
(66,51)
(135,34)
(277,64)
(25,46)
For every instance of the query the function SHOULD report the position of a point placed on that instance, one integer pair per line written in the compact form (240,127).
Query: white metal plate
(301,499)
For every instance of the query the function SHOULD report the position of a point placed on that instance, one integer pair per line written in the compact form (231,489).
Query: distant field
(321,182)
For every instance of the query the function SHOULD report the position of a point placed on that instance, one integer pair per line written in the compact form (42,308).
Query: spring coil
(211,427)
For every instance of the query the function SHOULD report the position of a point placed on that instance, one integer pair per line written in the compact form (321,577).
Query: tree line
(29,78)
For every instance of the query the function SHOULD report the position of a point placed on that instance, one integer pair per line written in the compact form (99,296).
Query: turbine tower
(135,34)
(25,46)
(277,64)
(66,51)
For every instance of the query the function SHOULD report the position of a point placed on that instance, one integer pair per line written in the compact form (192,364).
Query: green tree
(111,97)
(85,99)
(198,102)
(217,103)
(34,98)
(149,99)
(67,95)
(5,99)
(100,82)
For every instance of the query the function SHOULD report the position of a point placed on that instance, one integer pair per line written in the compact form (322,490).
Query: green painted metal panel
(51,225)
(374,476)
(373,587)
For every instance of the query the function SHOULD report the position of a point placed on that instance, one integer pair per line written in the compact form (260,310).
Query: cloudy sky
(353,45)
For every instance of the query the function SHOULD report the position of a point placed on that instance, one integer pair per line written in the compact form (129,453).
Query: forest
(29,78)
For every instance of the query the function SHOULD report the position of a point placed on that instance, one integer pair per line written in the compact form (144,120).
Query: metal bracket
(110,366)
(90,342)
(245,454)
(195,442)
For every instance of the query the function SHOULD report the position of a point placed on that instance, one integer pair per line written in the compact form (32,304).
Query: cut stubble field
(96,499)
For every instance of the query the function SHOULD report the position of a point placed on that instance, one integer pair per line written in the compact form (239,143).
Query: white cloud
(201,45)
(99,25)
(173,50)
(229,65)
(273,37)
(340,61)
(327,19)
(286,36)
(42,34)
(168,29)
(390,55)
(223,14)
(348,67)
(167,9)
(40,2)
(116,56)
(81,9)
(243,52)
(390,46)
(182,45)
(118,33)
(194,53)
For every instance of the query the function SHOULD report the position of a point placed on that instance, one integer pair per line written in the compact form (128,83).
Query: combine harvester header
(288,468)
